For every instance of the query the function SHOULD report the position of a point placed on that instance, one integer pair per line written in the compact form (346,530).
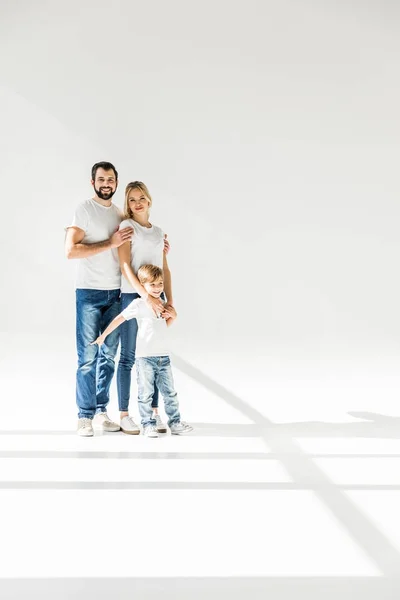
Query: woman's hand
(167,247)
(155,304)
(169,312)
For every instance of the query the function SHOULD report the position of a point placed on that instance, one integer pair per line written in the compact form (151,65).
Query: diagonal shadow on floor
(303,470)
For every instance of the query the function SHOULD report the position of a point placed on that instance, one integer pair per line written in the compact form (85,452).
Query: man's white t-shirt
(152,336)
(101,271)
(147,247)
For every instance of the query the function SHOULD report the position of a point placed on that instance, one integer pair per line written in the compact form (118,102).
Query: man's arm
(74,248)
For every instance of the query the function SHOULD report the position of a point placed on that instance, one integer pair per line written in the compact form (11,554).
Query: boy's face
(155,288)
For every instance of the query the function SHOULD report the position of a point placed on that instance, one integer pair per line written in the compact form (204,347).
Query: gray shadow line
(62,454)
(199,588)
(305,472)
(119,455)
(190,485)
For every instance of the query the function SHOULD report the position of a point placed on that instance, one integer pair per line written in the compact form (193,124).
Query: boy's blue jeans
(94,311)
(127,357)
(151,371)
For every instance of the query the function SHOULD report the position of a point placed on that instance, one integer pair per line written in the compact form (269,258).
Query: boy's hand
(99,341)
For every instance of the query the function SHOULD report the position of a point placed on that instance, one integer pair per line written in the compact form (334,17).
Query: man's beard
(104,195)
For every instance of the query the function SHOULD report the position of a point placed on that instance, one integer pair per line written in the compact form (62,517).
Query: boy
(153,365)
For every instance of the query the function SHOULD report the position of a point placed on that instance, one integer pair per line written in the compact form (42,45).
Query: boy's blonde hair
(149,274)
(135,185)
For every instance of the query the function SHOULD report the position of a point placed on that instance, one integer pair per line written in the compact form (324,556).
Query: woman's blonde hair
(135,185)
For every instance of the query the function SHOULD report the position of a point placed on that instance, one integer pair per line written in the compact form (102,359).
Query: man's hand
(120,237)
(167,247)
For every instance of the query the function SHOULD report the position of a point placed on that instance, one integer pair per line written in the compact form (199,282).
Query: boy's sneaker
(85,428)
(180,428)
(160,426)
(129,426)
(150,431)
(103,421)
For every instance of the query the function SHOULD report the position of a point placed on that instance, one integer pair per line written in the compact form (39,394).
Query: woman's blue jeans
(128,333)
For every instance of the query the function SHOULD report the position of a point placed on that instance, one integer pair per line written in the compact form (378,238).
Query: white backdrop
(267,132)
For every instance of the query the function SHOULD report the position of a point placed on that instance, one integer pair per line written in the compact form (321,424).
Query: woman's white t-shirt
(147,248)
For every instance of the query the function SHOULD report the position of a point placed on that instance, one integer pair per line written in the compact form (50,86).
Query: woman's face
(137,202)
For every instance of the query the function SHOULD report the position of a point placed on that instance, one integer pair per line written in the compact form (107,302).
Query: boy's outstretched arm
(113,325)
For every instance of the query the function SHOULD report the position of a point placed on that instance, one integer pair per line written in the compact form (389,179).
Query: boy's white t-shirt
(101,271)
(147,248)
(152,336)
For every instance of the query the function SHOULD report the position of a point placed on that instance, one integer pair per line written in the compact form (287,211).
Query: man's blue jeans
(94,311)
(152,371)
(127,357)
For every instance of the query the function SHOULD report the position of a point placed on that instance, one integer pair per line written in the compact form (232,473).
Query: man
(93,237)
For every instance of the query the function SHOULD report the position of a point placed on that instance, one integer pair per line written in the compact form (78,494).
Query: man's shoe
(102,421)
(85,428)
(129,426)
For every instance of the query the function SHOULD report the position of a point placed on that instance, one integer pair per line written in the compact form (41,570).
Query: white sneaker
(85,428)
(102,421)
(150,431)
(160,426)
(180,428)
(129,426)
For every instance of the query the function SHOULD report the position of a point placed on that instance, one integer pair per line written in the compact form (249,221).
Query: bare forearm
(86,250)
(130,276)
(168,286)
(112,326)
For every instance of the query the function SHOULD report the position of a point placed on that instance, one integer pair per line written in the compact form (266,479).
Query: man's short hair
(107,166)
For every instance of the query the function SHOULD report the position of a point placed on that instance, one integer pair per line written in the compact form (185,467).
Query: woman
(145,247)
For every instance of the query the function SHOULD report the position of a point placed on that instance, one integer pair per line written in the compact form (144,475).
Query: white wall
(267,132)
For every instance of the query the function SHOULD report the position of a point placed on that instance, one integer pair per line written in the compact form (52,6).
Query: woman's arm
(113,325)
(124,255)
(167,281)
(169,314)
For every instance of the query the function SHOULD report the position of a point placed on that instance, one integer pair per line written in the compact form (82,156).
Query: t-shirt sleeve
(125,223)
(80,218)
(131,311)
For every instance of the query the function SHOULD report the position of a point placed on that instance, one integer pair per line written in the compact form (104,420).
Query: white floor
(289,486)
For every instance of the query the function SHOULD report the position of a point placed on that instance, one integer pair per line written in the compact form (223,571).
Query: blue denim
(94,311)
(127,357)
(151,371)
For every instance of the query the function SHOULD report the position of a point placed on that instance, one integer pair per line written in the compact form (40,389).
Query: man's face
(105,184)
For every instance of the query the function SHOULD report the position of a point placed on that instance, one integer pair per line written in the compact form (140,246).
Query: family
(135,308)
